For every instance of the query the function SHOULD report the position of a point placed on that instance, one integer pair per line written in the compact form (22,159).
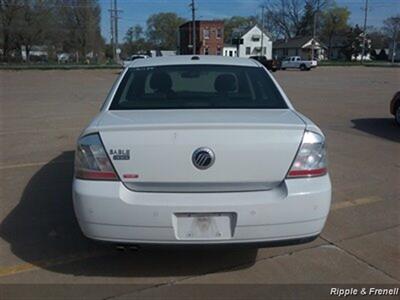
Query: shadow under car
(381,127)
(43,231)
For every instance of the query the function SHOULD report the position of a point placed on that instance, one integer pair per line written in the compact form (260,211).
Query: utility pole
(262,30)
(394,44)
(193,26)
(114,28)
(365,30)
(111,10)
(314,30)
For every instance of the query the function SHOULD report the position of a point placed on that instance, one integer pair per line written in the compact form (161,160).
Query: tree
(134,41)
(9,10)
(290,18)
(352,45)
(391,26)
(306,25)
(79,23)
(133,34)
(334,22)
(32,24)
(236,22)
(68,25)
(162,30)
(378,38)
(286,16)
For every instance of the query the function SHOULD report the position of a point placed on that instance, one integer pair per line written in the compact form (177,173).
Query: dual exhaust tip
(124,248)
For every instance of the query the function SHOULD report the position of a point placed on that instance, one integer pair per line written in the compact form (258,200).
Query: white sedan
(200,150)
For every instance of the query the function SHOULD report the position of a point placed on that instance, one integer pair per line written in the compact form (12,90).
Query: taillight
(91,160)
(311,157)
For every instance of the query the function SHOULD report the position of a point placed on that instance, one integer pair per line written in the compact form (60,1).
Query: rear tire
(303,67)
(397,115)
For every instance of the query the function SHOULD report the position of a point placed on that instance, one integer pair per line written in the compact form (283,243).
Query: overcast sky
(137,11)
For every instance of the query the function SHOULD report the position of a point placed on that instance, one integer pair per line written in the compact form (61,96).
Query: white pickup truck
(296,62)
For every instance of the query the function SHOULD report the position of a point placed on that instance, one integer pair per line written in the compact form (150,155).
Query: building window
(219,50)
(248,50)
(206,51)
(285,52)
(219,33)
(206,33)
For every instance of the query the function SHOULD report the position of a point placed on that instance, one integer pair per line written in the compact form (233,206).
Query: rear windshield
(196,87)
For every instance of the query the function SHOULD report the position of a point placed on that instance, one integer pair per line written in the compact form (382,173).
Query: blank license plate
(204,226)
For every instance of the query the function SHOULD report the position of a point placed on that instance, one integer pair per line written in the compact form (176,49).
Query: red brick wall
(212,45)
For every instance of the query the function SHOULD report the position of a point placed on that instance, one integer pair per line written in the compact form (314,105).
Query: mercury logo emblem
(203,158)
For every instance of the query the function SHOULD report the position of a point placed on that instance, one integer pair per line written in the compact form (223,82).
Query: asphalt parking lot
(43,112)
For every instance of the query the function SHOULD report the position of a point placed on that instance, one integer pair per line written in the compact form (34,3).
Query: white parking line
(356,202)
(33,164)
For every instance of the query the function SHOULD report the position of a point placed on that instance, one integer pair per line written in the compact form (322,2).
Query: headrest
(161,82)
(225,83)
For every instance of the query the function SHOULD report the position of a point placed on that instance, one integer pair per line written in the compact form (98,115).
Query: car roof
(188,60)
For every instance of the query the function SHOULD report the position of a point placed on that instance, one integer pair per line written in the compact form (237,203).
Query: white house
(229,50)
(252,42)
(300,46)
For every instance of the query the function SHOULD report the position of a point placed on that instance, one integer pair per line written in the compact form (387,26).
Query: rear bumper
(296,210)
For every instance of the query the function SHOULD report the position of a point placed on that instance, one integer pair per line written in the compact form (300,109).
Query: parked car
(296,62)
(63,58)
(395,107)
(200,150)
(270,64)
(127,62)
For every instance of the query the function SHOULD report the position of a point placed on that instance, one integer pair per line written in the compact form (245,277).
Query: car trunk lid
(152,150)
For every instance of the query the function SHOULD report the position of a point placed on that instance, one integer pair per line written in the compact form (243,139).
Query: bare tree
(237,23)
(79,25)
(290,18)
(9,10)
(34,19)
(391,26)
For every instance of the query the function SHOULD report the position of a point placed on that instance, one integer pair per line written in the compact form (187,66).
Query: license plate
(204,226)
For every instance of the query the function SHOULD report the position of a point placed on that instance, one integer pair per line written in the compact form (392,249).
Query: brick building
(209,37)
